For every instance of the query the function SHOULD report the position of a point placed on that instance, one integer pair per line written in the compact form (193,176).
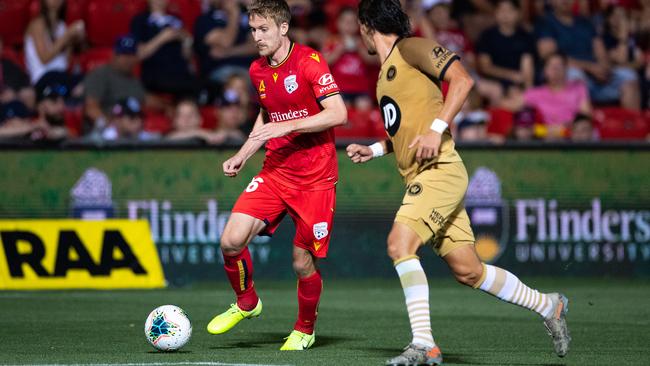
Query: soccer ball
(168,328)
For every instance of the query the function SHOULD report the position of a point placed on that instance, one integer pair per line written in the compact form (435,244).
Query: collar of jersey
(268,61)
(391,49)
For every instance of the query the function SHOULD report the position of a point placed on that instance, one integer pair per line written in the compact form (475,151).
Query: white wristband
(439,126)
(377,149)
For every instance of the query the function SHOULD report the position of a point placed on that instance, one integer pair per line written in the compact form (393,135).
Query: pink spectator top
(558,107)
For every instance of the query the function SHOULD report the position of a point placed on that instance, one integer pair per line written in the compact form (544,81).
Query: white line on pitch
(152,364)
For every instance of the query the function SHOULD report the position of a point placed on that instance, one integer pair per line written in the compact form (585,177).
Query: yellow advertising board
(76,254)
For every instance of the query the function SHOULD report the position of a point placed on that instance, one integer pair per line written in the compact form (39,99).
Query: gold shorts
(433,207)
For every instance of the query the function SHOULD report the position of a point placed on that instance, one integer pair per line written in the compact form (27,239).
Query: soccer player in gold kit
(432,213)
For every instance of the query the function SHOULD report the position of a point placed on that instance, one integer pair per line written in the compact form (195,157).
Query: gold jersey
(410,99)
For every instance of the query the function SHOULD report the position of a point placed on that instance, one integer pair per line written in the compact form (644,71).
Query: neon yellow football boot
(298,341)
(229,318)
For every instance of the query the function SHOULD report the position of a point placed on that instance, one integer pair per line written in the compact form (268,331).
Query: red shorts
(312,211)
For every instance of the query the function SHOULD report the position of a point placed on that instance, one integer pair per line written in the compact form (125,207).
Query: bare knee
(303,265)
(395,248)
(402,242)
(232,243)
(468,275)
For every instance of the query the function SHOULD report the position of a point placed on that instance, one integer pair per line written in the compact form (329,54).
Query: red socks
(309,290)
(239,269)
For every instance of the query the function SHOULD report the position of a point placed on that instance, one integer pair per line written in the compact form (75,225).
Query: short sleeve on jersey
(318,74)
(427,56)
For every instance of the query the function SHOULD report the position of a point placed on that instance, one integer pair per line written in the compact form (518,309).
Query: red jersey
(292,90)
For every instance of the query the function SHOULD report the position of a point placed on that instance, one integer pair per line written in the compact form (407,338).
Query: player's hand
(232,166)
(272,130)
(359,153)
(428,146)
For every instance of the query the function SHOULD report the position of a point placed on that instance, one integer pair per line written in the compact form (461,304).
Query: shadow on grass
(167,352)
(456,359)
(263,339)
(452,358)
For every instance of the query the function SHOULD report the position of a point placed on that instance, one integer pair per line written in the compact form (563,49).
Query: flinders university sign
(544,231)
(550,230)
(536,212)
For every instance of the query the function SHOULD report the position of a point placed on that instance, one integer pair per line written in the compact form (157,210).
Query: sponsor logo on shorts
(414,189)
(317,245)
(320,230)
(437,218)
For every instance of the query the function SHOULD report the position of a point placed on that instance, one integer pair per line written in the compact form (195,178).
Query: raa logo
(71,253)
(275,77)
(488,213)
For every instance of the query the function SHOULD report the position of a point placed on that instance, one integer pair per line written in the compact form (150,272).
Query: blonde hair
(278,10)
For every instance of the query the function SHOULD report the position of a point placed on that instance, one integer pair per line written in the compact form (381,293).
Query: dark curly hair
(385,16)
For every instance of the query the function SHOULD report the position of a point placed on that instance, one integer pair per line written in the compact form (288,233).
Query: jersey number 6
(252,186)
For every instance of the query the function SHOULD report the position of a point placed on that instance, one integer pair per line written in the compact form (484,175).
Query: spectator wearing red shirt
(446,31)
(348,58)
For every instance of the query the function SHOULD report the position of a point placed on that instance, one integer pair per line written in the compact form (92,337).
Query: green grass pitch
(360,323)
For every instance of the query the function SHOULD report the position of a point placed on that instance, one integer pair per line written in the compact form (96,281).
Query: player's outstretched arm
(233,165)
(333,114)
(362,153)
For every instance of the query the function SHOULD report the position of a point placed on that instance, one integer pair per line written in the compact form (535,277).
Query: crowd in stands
(176,70)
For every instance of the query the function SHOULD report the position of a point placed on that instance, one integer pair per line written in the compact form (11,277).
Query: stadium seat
(501,121)
(187,10)
(156,121)
(95,57)
(621,124)
(209,116)
(76,9)
(14,55)
(74,121)
(107,20)
(14,17)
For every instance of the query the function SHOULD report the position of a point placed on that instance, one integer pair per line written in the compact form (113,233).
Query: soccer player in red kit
(300,103)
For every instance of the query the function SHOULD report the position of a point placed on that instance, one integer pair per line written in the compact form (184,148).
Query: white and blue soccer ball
(168,328)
